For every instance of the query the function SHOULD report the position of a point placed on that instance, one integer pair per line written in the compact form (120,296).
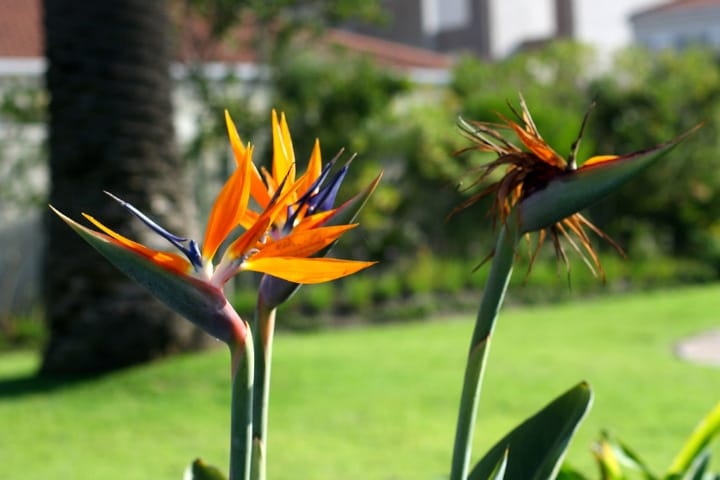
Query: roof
(21,36)
(20,29)
(389,53)
(676,6)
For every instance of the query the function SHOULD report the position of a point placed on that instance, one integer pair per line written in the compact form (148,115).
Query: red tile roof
(20,29)
(389,53)
(21,36)
(677,5)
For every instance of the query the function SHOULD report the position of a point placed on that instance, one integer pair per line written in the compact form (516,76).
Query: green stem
(264,326)
(241,410)
(492,299)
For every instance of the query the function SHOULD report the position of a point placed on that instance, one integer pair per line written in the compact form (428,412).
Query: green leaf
(200,470)
(498,472)
(698,470)
(538,445)
(568,473)
(703,434)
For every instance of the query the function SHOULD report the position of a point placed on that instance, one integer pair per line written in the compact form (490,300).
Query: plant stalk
(265,328)
(241,410)
(495,288)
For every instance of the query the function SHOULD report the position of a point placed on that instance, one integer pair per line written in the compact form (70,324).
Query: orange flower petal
(249,238)
(599,159)
(257,188)
(272,185)
(248,219)
(229,206)
(256,232)
(303,243)
(315,220)
(238,148)
(168,260)
(314,168)
(283,164)
(305,270)
(537,145)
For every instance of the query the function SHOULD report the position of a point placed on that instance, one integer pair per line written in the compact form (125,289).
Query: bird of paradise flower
(288,223)
(530,170)
(284,252)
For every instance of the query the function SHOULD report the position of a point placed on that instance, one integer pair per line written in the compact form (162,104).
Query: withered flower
(530,170)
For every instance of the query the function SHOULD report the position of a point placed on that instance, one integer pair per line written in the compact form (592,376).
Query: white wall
(602,23)
(513,21)
(606,23)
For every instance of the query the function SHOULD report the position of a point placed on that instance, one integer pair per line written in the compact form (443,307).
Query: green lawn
(375,402)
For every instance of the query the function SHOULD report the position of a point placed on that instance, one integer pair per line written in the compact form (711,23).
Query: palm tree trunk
(110,129)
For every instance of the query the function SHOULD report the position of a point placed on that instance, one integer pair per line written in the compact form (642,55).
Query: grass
(378,402)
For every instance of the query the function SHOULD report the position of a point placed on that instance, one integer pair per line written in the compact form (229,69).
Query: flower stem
(241,409)
(264,327)
(495,288)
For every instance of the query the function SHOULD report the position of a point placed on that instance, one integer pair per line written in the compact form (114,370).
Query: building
(678,25)
(444,26)
(494,29)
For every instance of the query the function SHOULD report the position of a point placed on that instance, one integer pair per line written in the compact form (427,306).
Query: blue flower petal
(192,252)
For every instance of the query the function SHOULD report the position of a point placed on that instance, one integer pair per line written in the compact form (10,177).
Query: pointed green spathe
(578,189)
(199,302)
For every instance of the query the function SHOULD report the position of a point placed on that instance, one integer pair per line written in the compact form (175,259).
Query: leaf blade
(552,427)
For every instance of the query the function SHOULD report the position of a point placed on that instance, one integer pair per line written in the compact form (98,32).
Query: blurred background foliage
(667,221)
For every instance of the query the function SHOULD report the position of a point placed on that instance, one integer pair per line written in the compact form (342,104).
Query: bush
(22,330)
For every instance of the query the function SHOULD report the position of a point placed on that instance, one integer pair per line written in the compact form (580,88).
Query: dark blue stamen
(192,252)
(306,197)
(291,214)
(194,255)
(320,197)
(325,199)
(318,181)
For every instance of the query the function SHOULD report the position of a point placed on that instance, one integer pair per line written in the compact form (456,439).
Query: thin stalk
(241,410)
(500,272)
(265,328)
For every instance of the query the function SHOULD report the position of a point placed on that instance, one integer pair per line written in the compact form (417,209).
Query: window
(440,15)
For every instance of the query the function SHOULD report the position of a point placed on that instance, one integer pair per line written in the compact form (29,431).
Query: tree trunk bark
(110,129)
